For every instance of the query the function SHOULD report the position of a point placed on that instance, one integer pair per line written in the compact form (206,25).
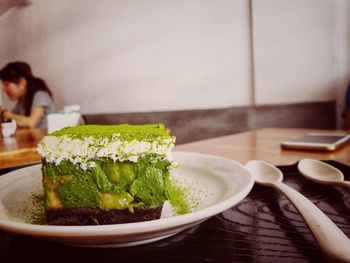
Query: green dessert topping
(125,142)
(126,132)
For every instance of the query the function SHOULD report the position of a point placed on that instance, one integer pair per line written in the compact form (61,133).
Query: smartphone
(317,141)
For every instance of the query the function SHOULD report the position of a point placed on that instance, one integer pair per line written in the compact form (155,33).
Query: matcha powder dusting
(37,215)
(178,198)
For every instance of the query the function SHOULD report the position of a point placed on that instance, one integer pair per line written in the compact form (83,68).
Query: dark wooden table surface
(264,227)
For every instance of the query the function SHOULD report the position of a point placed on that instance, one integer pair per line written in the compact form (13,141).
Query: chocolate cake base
(91,216)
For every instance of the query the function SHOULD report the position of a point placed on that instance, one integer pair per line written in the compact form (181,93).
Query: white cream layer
(56,149)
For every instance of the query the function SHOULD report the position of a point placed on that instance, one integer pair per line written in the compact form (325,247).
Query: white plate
(216,185)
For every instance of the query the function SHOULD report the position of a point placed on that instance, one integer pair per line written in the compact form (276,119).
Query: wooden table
(264,227)
(263,144)
(21,149)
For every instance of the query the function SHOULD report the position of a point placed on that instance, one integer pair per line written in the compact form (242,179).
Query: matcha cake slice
(99,174)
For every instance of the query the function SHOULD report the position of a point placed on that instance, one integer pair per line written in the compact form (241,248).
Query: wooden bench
(194,125)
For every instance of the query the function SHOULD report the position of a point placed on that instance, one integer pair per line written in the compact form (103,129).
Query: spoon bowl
(263,172)
(321,172)
(332,241)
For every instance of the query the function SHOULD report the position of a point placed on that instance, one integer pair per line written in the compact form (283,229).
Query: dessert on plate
(108,174)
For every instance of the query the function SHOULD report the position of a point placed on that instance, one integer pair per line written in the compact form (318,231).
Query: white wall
(128,56)
(293,50)
(342,52)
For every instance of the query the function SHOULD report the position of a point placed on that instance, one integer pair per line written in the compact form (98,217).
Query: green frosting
(109,185)
(127,132)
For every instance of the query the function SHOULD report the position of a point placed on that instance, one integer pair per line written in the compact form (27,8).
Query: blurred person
(346,112)
(34,98)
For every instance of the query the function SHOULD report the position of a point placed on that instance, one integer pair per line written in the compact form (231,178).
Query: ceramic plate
(215,184)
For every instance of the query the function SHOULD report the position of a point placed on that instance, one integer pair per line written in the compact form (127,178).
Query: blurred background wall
(131,56)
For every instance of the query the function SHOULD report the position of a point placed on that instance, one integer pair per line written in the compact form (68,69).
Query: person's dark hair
(14,71)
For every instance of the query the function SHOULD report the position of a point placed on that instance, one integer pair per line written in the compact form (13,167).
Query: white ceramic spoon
(321,172)
(332,241)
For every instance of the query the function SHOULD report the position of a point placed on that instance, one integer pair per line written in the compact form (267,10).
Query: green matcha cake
(99,174)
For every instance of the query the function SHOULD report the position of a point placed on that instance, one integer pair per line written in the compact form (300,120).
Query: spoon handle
(345,183)
(330,238)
